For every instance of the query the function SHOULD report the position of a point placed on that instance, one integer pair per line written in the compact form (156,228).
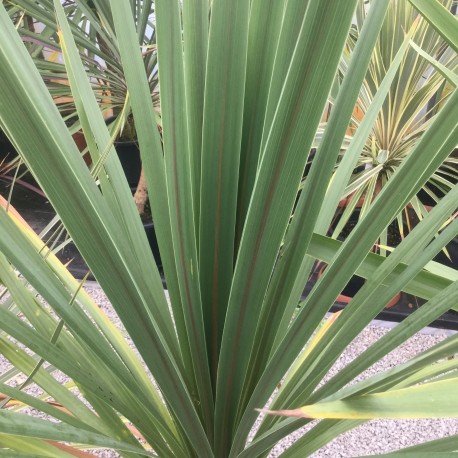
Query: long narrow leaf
(179,184)
(24,425)
(441,19)
(221,138)
(393,404)
(273,198)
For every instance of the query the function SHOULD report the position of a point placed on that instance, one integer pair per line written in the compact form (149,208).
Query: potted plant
(231,331)
(93,24)
(397,127)
(403,117)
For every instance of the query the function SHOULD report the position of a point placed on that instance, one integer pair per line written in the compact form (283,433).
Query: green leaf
(436,403)
(347,259)
(425,285)
(320,190)
(439,18)
(221,137)
(372,298)
(442,69)
(177,164)
(26,426)
(439,446)
(226,143)
(284,287)
(153,161)
(14,446)
(273,197)
(266,41)
(195,47)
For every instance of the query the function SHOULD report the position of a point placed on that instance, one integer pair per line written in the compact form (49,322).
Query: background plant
(93,28)
(416,95)
(232,331)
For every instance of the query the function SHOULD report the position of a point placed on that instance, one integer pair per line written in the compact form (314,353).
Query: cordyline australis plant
(242,91)
(416,95)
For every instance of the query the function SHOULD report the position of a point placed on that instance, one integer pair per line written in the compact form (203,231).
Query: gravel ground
(382,436)
(373,438)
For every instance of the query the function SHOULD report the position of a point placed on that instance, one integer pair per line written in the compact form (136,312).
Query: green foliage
(416,95)
(223,176)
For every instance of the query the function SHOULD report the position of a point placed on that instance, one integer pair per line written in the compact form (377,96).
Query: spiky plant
(416,96)
(243,87)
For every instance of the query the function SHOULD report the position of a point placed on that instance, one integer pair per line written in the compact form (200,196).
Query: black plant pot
(129,156)
(7,150)
(403,304)
(37,211)
(151,235)
(409,303)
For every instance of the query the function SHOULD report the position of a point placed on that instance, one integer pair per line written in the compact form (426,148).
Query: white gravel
(382,436)
(373,438)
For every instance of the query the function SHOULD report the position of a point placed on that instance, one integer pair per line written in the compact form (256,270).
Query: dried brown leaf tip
(286,413)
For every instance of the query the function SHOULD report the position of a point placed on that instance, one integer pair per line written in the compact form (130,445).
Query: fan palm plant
(229,332)
(93,28)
